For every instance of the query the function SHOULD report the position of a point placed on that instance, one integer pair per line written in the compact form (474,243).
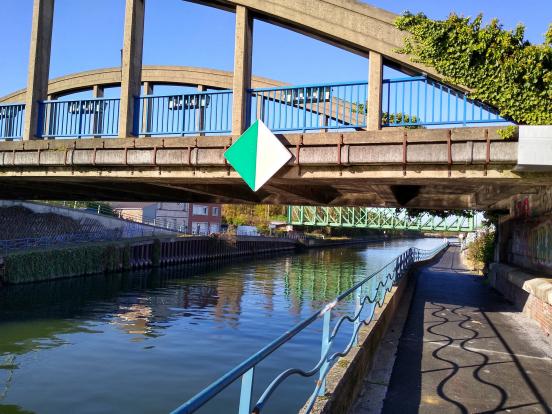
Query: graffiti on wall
(532,205)
(533,242)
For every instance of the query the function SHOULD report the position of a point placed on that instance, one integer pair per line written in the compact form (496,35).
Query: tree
(500,67)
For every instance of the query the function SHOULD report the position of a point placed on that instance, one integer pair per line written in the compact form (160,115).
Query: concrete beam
(39,65)
(320,195)
(375,79)
(131,65)
(243,62)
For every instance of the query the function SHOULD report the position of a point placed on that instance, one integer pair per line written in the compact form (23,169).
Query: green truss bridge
(377,218)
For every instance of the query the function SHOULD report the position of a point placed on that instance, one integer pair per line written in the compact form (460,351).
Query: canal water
(146,341)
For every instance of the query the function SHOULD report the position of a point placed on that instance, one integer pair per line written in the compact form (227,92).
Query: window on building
(216,211)
(200,210)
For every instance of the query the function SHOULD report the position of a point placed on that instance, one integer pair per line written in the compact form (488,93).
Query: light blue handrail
(420,101)
(97,117)
(191,113)
(11,121)
(385,277)
(330,106)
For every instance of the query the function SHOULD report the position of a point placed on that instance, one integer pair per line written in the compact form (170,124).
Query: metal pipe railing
(98,117)
(194,113)
(365,300)
(311,107)
(420,101)
(11,121)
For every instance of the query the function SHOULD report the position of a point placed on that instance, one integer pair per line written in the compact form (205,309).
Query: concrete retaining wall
(530,293)
(69,261)
(127,228)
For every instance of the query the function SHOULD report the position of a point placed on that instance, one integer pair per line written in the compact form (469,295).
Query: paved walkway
(463,349)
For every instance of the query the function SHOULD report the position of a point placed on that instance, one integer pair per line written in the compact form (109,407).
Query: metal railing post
(358,307)
(246,393)
(324,350)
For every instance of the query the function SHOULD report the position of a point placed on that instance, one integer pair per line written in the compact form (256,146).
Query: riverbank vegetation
(480,252)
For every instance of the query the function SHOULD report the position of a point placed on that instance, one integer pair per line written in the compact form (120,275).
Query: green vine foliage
(498,66)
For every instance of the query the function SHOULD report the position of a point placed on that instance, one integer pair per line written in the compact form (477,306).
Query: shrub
(481,251)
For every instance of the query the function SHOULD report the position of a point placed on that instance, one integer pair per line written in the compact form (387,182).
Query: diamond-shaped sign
(257,155)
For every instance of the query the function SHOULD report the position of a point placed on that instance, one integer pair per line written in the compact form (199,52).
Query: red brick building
(204,218)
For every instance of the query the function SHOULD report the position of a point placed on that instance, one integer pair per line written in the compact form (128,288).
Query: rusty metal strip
(297,154)
(94,156)
(126,155)
(155,155)
(405,149)
(488,152)
(449,151)
(38,161)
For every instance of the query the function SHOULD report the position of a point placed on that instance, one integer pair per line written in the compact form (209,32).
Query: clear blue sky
(88,35)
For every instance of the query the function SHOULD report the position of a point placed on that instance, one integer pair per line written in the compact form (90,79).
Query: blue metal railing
(9,246)
(366,297)
(98,117)
(311,107)
(419,101)
(11,121)
(195,113)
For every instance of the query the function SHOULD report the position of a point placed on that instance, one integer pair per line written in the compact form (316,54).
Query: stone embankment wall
(126,227)
(39,265)
(523,272)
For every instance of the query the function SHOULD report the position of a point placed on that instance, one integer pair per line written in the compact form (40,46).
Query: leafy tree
(500,67)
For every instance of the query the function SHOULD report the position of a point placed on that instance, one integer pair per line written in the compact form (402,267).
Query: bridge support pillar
(39,65)
(375,83)
(131,65)
(243,61)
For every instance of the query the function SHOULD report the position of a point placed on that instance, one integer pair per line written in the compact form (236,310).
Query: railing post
(304,109)
(243,58)
(79,127)
(356,323)
(375,81)
(201,111)
(246,393)
(97,111)
(39,65)
(324,350)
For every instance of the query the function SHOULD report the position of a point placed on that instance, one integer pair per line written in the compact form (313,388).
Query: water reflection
(166,322)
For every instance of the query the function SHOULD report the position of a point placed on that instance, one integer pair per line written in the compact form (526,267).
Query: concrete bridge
(412,141)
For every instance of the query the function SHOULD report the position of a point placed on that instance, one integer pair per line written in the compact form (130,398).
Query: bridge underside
(445,168)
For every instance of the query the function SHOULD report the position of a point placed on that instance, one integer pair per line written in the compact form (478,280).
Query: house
(204,218)
(183,217)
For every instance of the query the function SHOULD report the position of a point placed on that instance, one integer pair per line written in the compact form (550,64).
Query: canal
(146,341)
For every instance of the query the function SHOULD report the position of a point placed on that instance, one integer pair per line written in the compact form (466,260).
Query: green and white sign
(257,155)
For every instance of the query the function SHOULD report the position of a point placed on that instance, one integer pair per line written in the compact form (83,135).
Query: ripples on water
(144,342)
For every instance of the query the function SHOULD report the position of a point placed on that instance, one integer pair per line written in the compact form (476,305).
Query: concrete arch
(157,75)
(348,24)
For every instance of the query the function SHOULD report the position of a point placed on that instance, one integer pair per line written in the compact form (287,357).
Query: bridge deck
(464,349)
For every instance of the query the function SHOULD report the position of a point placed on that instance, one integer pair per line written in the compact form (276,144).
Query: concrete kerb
(345,379)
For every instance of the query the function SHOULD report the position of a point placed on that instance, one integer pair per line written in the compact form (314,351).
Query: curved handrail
(393,271)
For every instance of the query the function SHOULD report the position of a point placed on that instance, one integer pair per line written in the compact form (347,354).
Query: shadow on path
(464,349)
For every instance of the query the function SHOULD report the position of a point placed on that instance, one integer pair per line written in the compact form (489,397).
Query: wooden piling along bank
(38,265)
